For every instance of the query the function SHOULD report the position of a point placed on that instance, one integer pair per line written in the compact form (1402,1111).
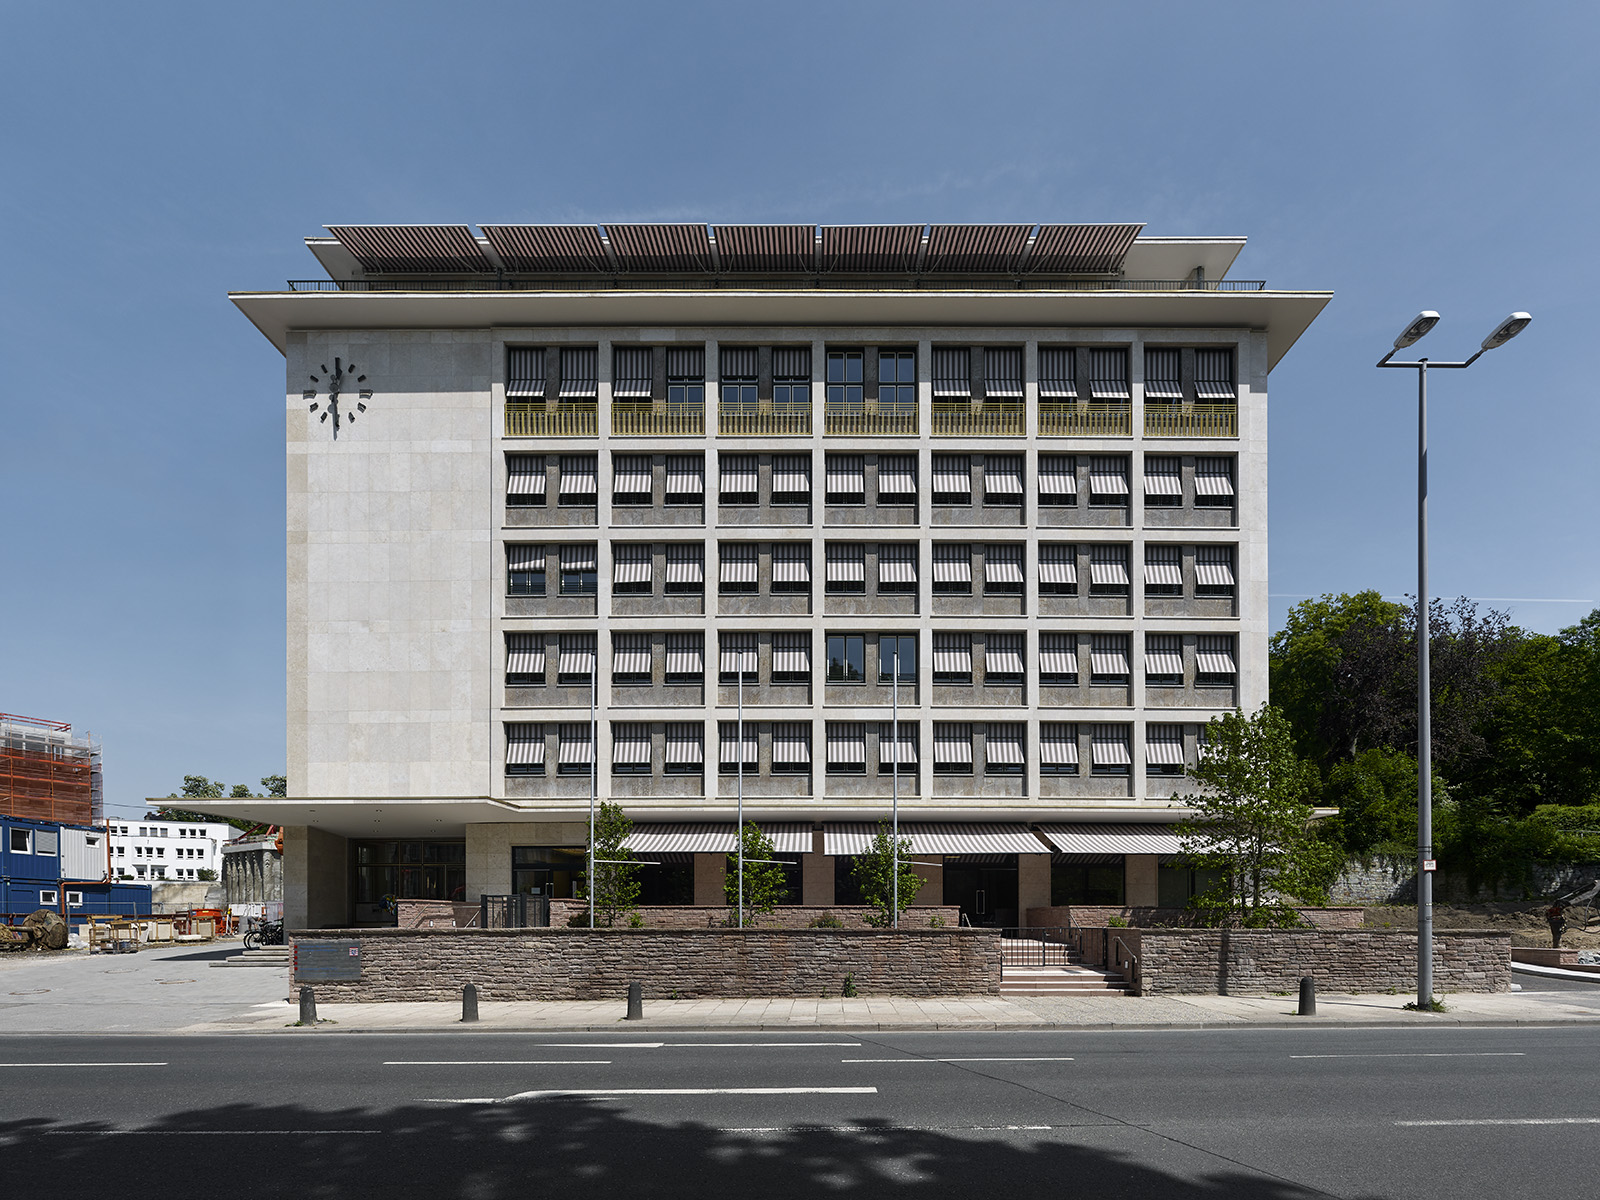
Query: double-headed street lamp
(1414,332)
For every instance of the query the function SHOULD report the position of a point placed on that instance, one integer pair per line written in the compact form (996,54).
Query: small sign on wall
(327,962)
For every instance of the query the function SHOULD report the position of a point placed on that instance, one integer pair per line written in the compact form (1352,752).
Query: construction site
(49,773)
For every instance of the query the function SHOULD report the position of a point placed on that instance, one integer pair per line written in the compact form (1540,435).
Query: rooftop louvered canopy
(426,248)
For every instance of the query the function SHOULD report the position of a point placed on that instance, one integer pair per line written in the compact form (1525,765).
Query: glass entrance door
(984,886)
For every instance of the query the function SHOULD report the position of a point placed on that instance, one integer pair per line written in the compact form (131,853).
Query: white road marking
(1426,1054)
(953,1060)
(85,1064)
(601,1045)
(755,1045)
(502,1062)
(205,1132)
(564,1093)
(877,1129)
(1510,1121)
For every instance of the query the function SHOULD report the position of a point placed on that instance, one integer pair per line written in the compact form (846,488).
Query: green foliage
(874,873)
(1376,795)
(826,921)
(198,787)
(936,922)
(275,785)
(206,874)
(764,883)
(1252,823)
(1117,921)
(616,882)
(849,989)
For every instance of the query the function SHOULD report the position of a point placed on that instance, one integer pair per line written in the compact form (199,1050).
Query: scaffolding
(48,773)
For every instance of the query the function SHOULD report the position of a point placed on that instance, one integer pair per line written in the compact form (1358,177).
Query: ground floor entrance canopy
(844,839)
(714,838)
(1112,839)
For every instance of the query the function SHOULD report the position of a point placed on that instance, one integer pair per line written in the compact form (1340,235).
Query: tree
(275,785)
(198,787)
(1252,822)
(1376,795)
(764,882)
(874,873)
(616,879)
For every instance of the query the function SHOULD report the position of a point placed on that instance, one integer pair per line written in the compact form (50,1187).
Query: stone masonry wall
(785,916)
(576,964)
(1144,918)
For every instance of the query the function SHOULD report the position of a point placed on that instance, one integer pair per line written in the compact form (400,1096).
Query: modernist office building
(975,514)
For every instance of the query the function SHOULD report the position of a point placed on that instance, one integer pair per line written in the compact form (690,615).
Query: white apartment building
(172,850)
(1003,485)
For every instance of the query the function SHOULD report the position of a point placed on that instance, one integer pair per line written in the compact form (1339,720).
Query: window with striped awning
(952,658)
(578,479)
(524,659)
(1163,658)
(1002,373)
(1213,570)
(686,364)
(631,568)
(1002,748)
(791,657)
(1058,374)
(1108,477)
(1058,659)
(791,746)
(1213,659)
(524,374)
(739,364)
(847,748)
(1109,750)
(791,479)
(1058,569)
(1058,480)
(1002,658)
(728,746)
(631,372)
(576,663)
(1161,379)
(1002,478)
(1213,374)
(897,566)
(952,479)
(952,748)
(630,658)
(576,752)
(737,478)
(1163,570)
(1058,748)
(686,751)
(524,749)
(525,478)
(579,564)
(1163,748)
(952,373)
(736,656)
(791,566)
(630,748)
(739,567)
(897,478)
(630,479)
(901,751)
(1108,570)
(1213,481)
(685,658)
(686,478)
(847,479)
(791,364)
(580,374)
(1108,375)
(524,569)
(1163,479)
(952,567)
(1108,658)
(686,571)
(847,567)
(1002,569)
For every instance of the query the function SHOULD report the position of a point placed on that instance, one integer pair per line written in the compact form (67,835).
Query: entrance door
(984,886)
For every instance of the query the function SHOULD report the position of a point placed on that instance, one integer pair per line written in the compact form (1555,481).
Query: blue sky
(157,156)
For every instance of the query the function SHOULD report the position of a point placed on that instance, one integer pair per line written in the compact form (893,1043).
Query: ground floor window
(555,871)
(670,882)
(1176,885)
(1076,879)
(410,870)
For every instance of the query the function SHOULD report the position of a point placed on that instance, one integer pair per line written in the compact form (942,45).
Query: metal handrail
(868,419)
(1198,420)
(1133,959)
(643,419)
(763,419)
(568,420)
(493,283)
(992,418)
(1071,419)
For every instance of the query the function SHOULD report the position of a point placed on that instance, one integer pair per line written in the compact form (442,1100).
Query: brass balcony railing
(990,419)
(868,419)
(1085,420)
(568,420)
(764,419)
(1196,421)
(645,419)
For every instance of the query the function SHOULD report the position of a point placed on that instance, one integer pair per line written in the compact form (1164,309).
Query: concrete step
(1058,981)
(267,956)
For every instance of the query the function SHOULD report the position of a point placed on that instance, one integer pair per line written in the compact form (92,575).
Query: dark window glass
(846,658)
(888,645)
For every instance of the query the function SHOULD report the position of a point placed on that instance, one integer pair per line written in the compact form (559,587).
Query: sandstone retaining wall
(1148,917)
(785,916)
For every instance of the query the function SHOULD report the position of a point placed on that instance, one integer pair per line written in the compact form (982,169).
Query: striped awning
(525,475)
(846,562)
(1213,566)
(856,838)
(897,475)
(791,654)
(579,558)
(847,742)
(791,562)
(897,562)
(791,364)
(1108,564)
(908,743)
(1002,474)
(1162,476)
(1161,375)
(791,474)
(952,474)
(630,654)
(1112,839)
(952,743)
(1213,477)
(685,654)
(1002,743)
(580,375)
(739,363)
(1058,744)
(1058,475)
(1002,372)
(737,654)
(738,562)
(1213,374)
(952,653)
(1214,655)
(952,562)
(1108,374)
(1163,654)
(525,745)
(1002,654)
(1110,746)
(577,749)
(578,475)
(952,373)
(1058,563)
(1163,745)
(1058,653)
(1108,654)
(737,474)
(847,475)
(728,742)
(577,654)
(630,745)
(1058,374)
(630,562)
(685,743)
(714,838)
(524,654)
(1002,563)
(1163,565)
(685,564)
(630,373)
(1108,476)
(630,475)
(685,475)
(524,374)
(686,364)
(522,557)
(791,741)
(413,248)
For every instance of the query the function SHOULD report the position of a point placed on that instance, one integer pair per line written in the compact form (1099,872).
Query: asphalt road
(1253,1114)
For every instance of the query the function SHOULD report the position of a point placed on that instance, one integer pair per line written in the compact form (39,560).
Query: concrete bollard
(308,1007)
(1308,996)
(469,1003)
(635,1003)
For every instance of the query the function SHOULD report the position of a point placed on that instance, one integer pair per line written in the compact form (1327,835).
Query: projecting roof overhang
(1284,315)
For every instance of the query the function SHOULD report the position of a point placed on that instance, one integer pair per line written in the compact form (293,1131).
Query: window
(1163,750)
(630,479)
(906,757)
(686,378)
(524,571)
(791,658)
(847,748)
(1213,570)
(685,748)
(893,649)
(737,476)
(847,568)
(1213,375)
(845,379)
(524,749)
(737,658)
(952,569)
(791,479)
(630,748)
(1108,375)
(1058,659)
(631,372)
(847,479)
(1002,569)
(577,750)
(686,574)
(685,658)
(1002,748)
(1110,750)
(897,567)
(1058,480)
(49,898)
(1163,571)
(580,373)
(1163,659)
(1108,571)
(1161,379)
(897,381)
(686,482)
(1163,482)
(952,374)
(1002,659)
(630,659)
(1058,569)
(846,658)
(20,841)
(791,567)
(729,759)
(791,378)
(524,374)
(524,480)
(1108,481)
(1108,659)
(897,479)
(579,574)
(1002,479)
(740,374)
(630,569)
(576,664)
(791,748)
(952,479)
(1213,483)
(578,480)
(739,568)
(1058,374)
(1058,748)
(952,748)
(1214,664)
(524,660)
(1002,374)
(952,658)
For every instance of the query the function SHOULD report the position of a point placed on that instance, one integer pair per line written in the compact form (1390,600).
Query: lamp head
(1506,330)
(1414,332)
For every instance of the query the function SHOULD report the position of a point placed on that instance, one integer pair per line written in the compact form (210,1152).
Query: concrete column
(816,874)
(1033,884)
(488,861)
(932,893)
(316,878)
(710,880)
(1140,881)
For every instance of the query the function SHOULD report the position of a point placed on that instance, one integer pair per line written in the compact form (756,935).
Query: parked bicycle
(263,933)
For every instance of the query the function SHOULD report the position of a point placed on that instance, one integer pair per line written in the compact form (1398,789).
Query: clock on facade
(341,380)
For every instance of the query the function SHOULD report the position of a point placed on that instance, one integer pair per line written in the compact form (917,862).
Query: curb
(1555,972)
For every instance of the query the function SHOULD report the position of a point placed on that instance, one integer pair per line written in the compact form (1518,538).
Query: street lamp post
(1414,332)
